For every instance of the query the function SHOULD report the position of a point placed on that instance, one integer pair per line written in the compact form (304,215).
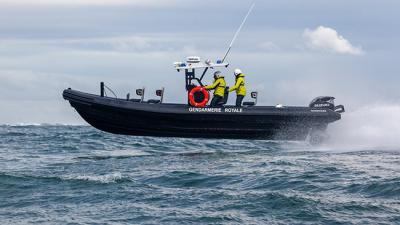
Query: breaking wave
(104,179)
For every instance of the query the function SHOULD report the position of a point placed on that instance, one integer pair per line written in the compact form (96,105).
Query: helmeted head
(237,72)
(217,74)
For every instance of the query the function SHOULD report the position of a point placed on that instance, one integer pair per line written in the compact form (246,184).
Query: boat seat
(253,95)
(249,103)
(153,101)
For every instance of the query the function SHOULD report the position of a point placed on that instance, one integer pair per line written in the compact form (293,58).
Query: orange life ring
(193,101)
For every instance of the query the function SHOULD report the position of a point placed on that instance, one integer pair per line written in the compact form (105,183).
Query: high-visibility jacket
(219,86)
(239,85)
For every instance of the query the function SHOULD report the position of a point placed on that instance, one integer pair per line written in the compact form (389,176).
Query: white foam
(104,179)
(120,153)
(370,127)
(38,124)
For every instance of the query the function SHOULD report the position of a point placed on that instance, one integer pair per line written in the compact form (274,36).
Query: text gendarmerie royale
(216,110)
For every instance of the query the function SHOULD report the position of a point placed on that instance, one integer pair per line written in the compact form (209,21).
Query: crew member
(239,87)
(219,86)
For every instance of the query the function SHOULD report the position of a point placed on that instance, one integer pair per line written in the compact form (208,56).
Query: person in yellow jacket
(239,87)
(219,88)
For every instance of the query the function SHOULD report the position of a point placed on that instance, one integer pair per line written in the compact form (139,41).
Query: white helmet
(237,72)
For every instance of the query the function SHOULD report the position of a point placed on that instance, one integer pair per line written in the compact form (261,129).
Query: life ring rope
(193,102)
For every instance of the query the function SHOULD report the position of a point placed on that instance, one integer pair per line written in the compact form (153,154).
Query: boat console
(194,63)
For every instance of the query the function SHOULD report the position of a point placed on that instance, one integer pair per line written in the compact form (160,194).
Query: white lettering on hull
(215,110)
(233,110)
(318,110)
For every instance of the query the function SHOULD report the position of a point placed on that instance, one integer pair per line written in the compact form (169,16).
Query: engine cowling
(326,102)
(323,102)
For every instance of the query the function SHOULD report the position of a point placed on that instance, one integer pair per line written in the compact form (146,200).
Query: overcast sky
(291,51)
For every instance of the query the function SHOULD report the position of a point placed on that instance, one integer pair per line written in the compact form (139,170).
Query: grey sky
(46,46)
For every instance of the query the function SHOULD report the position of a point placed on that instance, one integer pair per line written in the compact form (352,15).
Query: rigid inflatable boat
(154,118)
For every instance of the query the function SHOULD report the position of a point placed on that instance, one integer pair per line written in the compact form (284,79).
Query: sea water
(58,174)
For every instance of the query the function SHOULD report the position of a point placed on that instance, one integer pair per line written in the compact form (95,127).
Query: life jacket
(239,85)
(218,86)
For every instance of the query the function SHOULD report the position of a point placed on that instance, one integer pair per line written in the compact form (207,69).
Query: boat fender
(205,94)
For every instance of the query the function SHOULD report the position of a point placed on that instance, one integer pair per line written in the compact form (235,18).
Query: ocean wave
(25,179)
(186,179)
(117,154)
(104,179)
(388,188)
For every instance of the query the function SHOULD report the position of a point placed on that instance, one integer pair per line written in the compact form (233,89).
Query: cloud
(328,39)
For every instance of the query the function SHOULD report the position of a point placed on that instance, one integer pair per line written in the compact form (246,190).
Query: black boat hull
(120,116)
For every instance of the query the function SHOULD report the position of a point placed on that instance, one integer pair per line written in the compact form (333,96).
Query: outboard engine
(326,102)
(323,102)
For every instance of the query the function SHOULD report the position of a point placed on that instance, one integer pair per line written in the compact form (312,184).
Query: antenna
(238,31)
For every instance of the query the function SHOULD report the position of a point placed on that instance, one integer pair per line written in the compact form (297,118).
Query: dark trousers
(239,100)
(215,100)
